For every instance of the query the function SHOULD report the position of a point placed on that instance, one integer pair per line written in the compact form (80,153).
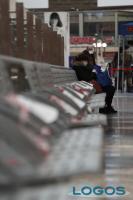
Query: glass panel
(101,28)
(74,29)
(74,24)
(99,22)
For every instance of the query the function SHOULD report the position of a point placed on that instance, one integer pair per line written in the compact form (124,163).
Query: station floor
(118,148)
(117,158)
(118,151)
(119,145)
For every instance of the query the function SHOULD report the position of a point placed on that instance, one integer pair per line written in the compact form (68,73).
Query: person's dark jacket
(85,72)
(86,56)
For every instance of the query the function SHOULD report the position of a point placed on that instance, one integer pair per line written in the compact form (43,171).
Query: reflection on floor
(118,150)
(119,145)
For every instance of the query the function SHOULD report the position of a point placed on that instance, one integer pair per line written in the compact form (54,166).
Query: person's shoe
(103,110)
(107,110)
(112,110)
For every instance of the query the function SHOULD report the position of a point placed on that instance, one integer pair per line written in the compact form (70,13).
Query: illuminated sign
(106,3)
(32,4)
(88,40)
(130,29)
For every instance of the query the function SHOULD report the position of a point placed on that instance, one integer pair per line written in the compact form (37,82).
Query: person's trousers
(110,91)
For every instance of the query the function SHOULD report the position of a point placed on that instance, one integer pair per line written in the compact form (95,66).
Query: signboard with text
(88,40)
(125,28)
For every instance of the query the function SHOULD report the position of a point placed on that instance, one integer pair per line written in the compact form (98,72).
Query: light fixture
(99,44)
(104,45)
(94,44)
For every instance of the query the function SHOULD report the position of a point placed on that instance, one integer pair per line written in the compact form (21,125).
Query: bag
(97,86)
(103,77)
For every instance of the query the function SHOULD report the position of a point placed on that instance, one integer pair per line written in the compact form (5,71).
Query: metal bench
(62,76)
(13,75)
(21,75)
(5,84)
(36,78)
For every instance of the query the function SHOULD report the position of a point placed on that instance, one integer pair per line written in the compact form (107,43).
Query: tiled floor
(119,144)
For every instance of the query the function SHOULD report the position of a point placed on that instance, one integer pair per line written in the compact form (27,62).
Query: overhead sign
(82,40)
(33,4)
(88,40)
(108,3)
(125,28)
(130,29)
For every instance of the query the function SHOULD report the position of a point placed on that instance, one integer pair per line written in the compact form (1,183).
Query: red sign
(88,40)
(82,40)
(130,28)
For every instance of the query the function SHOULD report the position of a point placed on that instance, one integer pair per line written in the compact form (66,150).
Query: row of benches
(59,135)
(20,75)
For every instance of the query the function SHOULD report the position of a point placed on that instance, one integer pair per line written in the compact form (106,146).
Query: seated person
(83,64)
(105,81)
(87,70)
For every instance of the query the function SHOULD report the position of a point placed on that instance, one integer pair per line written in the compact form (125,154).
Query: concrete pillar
(116,28)
(81,25)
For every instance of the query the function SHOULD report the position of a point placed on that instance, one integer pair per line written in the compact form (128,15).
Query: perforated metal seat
(32,77)
(44,75)
(63,75)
